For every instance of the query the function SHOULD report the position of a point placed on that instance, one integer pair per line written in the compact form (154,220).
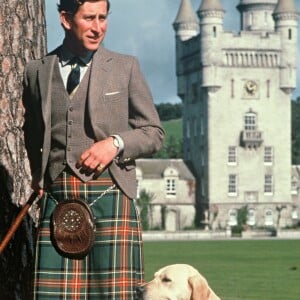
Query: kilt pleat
(113,268)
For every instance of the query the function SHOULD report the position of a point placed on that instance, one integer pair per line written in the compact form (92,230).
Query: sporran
(73,228)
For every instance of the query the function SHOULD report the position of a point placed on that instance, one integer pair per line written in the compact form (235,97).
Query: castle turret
(186,23)
(256,15)
(186,26)
(211,14)
(286,24)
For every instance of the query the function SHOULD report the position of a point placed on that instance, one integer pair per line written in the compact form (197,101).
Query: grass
(173,128)
(236,269)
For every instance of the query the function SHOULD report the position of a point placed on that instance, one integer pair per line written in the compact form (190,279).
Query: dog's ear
(200,288)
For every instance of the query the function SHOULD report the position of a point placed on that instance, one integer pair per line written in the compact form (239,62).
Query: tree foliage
(172,148)
(169,111)
(296,132)
(144,202)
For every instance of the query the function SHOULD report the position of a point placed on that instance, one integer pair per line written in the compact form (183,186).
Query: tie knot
(76,61)
(74,76)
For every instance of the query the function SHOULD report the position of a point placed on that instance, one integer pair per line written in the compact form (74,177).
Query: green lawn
(173,128)
(236,269)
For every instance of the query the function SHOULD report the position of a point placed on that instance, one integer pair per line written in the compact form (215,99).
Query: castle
(236,93)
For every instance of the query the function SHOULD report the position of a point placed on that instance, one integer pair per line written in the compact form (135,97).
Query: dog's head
(177,282)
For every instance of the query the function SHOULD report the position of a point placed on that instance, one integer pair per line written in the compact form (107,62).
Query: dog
(176,282)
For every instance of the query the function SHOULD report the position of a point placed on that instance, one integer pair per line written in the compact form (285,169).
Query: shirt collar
(66,56)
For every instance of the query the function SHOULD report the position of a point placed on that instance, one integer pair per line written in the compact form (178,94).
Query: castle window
(195,127)
(250,121)
(250,20)
(232,157)
(295,215)
(232,185)
(188,129)
(203,191)
(268,155)
(194,92)
(290,34)
(269,217)
(233,217)
(171,187)
(294,187)
(171,176)
(201,126)
(266,18)
(268,186)
(215,31)
(202,158)
(251,218)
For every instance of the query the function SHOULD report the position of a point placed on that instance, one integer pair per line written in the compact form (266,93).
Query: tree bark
(22,38)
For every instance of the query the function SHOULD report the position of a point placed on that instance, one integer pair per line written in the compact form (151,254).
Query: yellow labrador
(177,282)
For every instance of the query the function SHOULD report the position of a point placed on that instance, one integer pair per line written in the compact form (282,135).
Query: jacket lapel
(99,69)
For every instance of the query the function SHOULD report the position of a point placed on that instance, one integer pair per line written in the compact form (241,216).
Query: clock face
(251,87)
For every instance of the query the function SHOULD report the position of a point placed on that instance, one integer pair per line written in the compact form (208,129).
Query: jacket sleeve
(32,132)
(146,134)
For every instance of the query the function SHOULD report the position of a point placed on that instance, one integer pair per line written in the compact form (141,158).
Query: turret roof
(186,13)
(285,6)
(210,5)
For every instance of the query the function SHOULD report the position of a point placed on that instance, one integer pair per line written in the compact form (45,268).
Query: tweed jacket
(119,102)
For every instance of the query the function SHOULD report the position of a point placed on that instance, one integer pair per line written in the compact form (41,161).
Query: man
(88,115)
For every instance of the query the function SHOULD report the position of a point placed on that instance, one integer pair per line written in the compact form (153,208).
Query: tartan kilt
(113,268)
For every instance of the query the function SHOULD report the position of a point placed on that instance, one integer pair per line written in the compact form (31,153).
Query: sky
(143,28)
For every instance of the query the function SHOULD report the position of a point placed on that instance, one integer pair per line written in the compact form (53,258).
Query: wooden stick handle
(13,228)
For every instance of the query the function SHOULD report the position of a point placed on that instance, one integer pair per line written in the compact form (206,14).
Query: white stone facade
(172,186)
(236,90)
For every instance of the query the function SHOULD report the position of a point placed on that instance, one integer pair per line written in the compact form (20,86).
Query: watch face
(116,143)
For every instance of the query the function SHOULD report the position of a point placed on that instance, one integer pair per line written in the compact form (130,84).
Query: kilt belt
(113,268)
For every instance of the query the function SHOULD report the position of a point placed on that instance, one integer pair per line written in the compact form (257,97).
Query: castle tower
(286,24)
(186,23)
(256,15)
(236,91)
(211,14)
(186,26)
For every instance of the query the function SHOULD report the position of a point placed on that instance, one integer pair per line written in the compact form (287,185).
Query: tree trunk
(22,38)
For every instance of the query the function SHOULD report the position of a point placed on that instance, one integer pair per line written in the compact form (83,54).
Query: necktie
(74,76)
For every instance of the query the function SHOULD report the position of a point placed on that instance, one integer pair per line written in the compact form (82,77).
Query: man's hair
(72,6)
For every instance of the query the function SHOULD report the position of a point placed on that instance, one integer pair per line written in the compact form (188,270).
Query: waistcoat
(71,131)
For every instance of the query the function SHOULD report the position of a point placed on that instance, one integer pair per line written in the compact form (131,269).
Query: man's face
(86,29)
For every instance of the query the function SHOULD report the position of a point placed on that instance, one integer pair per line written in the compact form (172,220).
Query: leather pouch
(73,228)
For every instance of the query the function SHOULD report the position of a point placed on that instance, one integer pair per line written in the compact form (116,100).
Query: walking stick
(13,228)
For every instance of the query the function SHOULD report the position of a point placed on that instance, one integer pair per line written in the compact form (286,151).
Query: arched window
(269,217)
(251,217)
(233,217)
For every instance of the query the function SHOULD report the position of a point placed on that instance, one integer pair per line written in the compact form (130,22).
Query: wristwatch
(116,142)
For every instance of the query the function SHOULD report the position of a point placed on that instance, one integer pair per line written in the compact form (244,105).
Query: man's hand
(98,156)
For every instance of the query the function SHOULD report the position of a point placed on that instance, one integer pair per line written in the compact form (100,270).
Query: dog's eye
(166,279)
